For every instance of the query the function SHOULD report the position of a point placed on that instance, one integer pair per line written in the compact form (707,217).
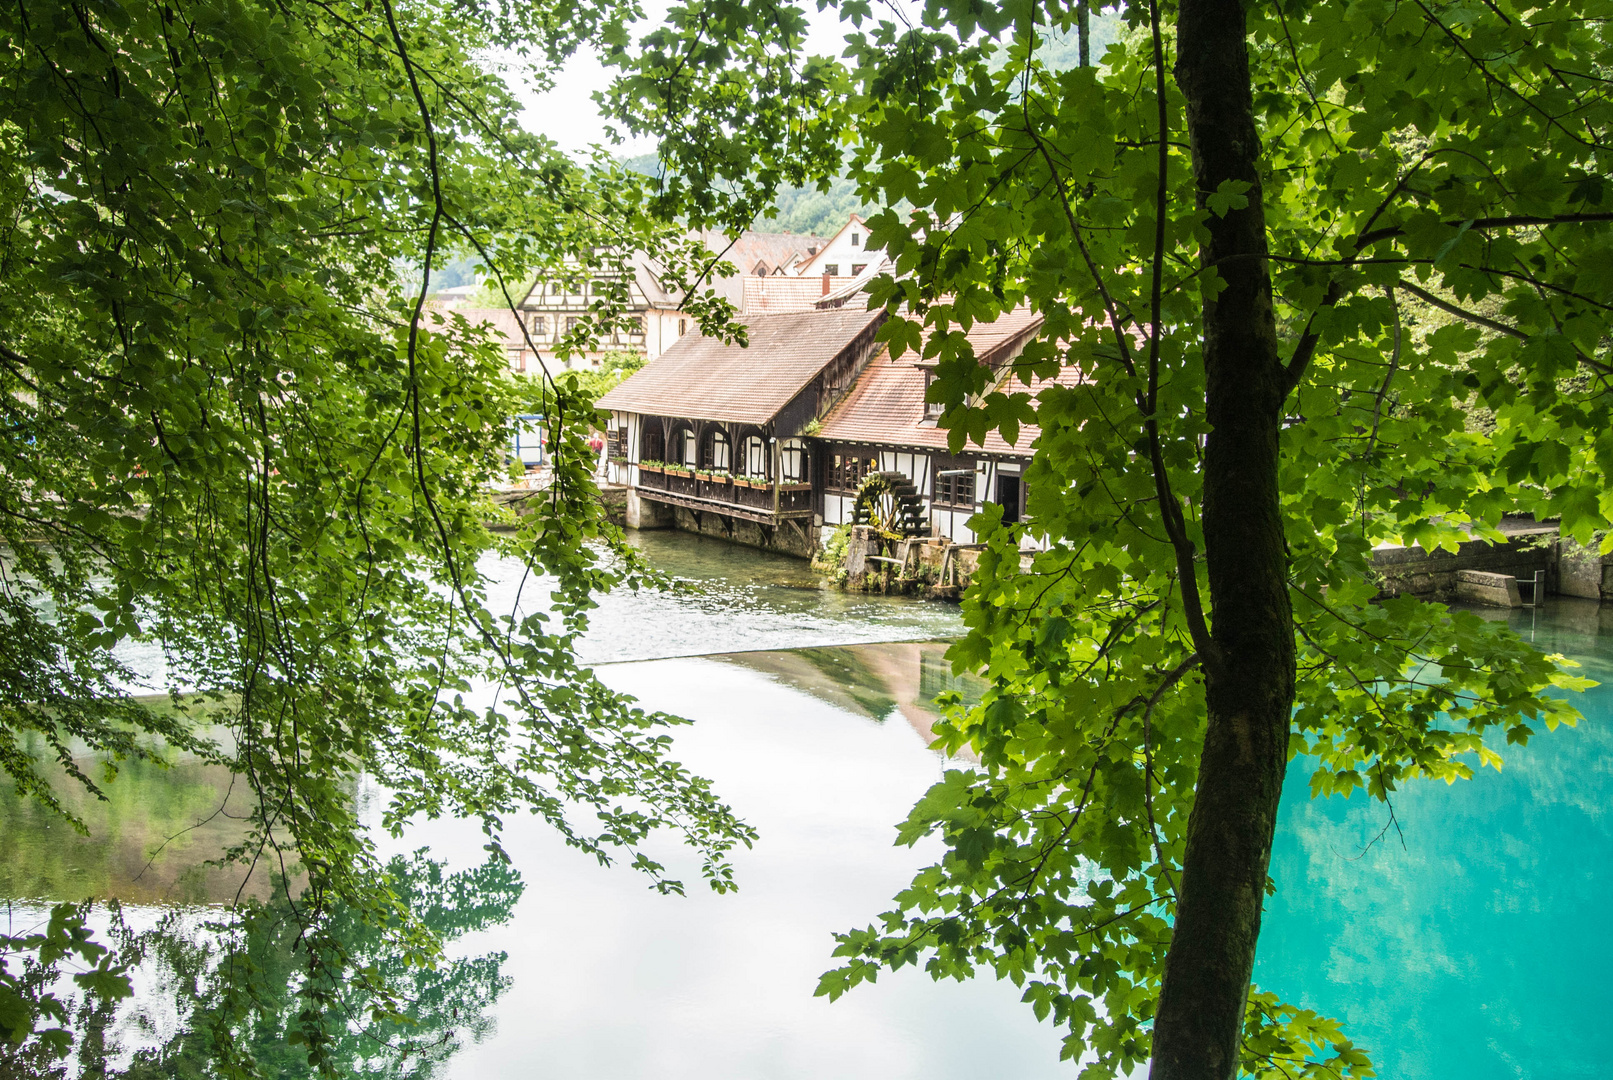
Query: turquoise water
(1470,942)
(1474,941)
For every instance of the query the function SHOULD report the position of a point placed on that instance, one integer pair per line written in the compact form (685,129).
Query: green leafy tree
(231,433)
(1225,225)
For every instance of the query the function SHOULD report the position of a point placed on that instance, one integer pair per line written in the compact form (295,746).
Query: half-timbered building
(716,438)
(883,424)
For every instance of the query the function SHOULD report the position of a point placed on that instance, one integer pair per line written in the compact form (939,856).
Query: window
(754,452)
(688,458)
(858,268)
(954,482)
(855,240)
(652,450)
(1009,496)
(720,454)
(554,288)
(831,270)
(846,473)
(683,327)
(517,359)
(932,409)
(539,326)
(793,462)
(571,322)
(635,328)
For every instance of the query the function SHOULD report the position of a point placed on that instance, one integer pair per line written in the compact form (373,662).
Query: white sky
(568,115)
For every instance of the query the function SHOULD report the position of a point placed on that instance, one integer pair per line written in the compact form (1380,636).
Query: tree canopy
(1297,253)
(232,434)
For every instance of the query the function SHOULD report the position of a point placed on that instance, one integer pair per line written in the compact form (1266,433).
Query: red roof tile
(505,325)
(886,406)
(703,379)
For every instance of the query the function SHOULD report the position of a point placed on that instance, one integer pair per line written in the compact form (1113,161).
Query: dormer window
(932,409)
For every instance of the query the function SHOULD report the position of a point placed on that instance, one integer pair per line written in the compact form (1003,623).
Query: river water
(1469,943)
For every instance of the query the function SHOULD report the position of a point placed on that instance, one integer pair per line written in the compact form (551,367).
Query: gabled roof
(886,406)
(839,295)
(988,338)
(750,252)
(703,379)
(503,321)
(772,249)
(806,266)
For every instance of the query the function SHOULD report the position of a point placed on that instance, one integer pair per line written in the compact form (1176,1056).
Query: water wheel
(889,504)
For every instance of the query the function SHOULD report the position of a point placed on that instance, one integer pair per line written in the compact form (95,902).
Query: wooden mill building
(715,438)
(769,445)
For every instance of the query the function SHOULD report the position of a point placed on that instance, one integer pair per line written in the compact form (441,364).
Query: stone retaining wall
(788,538)
(1474,573)
(1433,575)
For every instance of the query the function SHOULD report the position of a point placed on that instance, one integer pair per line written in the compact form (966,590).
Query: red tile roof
(703,379)
(987,338)
(775,249)
(886,406)
(503,321)
(774,295)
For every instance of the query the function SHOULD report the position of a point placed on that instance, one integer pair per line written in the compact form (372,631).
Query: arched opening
(794,462)
(753,456)
(681,447)
(719,452)
(652,447)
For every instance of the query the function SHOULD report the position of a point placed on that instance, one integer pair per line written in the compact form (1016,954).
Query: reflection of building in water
(936,678)
(876,681)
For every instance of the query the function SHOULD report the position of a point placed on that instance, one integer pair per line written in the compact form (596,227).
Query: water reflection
(1478,947)
(215,987)
(150,840)
(824,752)
(901,678)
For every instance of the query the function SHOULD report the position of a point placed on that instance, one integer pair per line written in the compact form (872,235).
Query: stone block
(1487,589)
(861,544)
(1579,571)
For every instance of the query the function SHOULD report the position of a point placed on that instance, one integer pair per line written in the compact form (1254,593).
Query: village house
(884,425)
(552,307)
(715,438)
(836,270)
(769,278)
(771,445)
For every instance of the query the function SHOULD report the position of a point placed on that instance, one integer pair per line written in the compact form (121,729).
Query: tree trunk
(1249,681)
(1083,32)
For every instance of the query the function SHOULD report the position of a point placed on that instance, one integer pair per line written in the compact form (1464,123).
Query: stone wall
(641,513)
(1433,575)
(1569,569)
(1583,572)
(926,566)
(789,538)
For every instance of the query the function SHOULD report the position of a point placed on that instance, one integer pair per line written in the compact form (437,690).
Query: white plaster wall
(841,250)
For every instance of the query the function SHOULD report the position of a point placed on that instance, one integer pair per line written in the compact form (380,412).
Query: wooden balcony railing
(748,498)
